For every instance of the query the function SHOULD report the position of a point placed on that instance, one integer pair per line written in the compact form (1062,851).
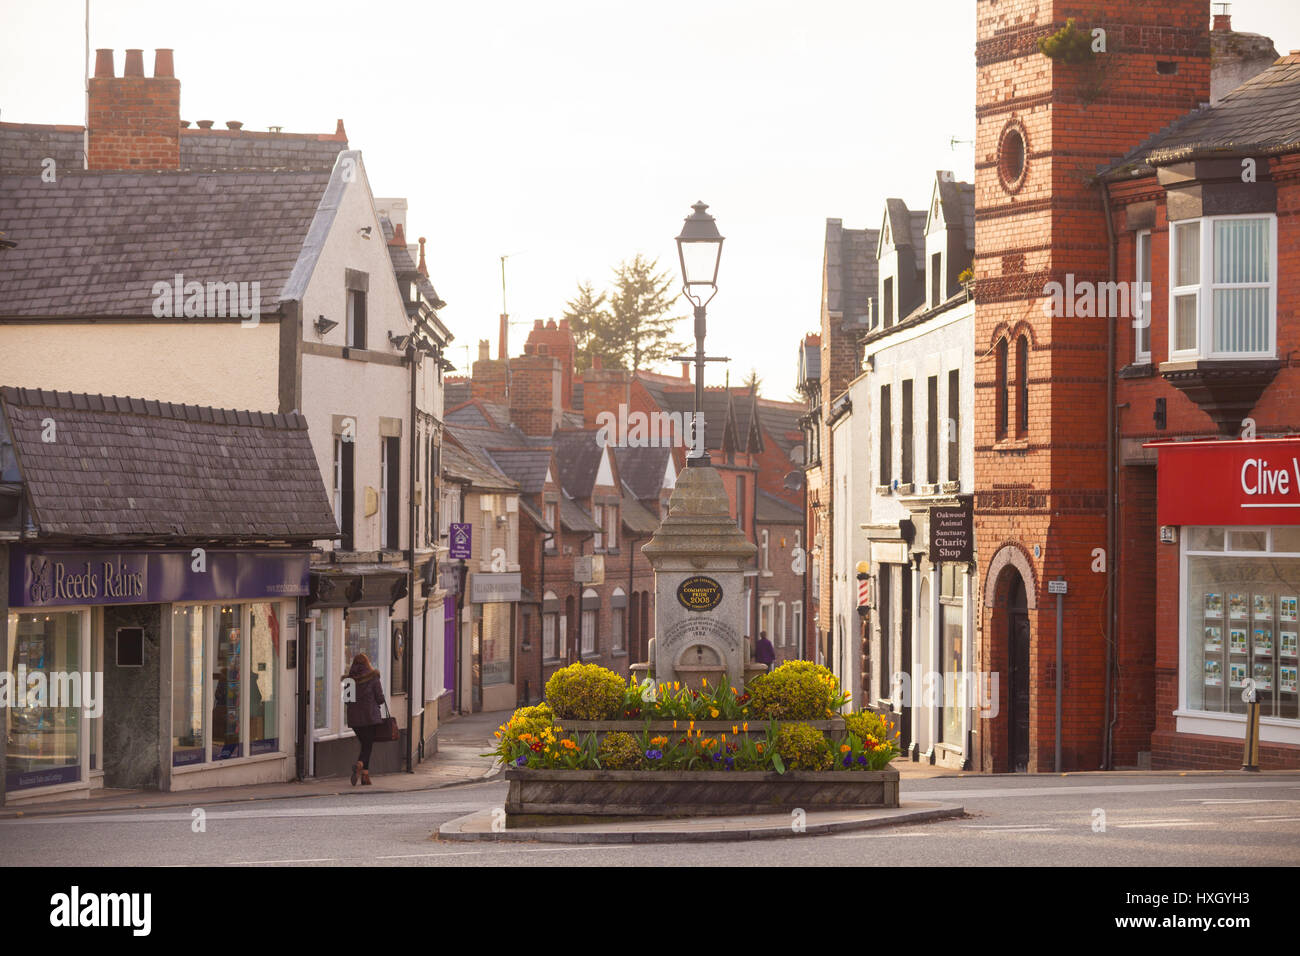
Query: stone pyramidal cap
(699,522)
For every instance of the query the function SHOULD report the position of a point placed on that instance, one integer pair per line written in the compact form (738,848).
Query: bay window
(1223,287)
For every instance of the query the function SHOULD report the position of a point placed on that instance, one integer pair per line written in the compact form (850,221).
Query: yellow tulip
(705,680)
(746,726)
(734,730)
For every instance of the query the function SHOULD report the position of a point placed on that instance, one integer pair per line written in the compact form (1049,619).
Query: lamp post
(699,248)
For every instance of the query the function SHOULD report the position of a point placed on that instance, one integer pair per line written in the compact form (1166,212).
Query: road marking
(876,836)
(185,814)
(1066,791)
(1242,800)
(323,859)
(1150,824)
(1274,819)
(1009,829)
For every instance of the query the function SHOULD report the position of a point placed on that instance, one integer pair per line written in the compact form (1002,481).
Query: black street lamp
(699,247)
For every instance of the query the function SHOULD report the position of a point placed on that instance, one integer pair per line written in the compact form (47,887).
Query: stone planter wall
(554,797)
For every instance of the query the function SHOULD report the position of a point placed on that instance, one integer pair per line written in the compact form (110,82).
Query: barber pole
(864,587)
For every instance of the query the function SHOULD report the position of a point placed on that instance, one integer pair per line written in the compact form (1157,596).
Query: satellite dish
(793,481)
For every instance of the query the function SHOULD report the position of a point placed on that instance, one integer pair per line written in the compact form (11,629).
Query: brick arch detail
(1011,331)
(1014,555)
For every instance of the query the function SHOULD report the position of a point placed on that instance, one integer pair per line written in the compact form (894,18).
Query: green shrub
(797,690)
(802,747)
(1068,45)
(585,692)
(619,751)
(866,724)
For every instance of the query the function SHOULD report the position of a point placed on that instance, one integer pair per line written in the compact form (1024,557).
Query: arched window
(1022,385)
(1003,393)
(552,639)
(590,608)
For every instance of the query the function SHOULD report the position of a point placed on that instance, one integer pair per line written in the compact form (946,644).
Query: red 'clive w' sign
(1228,482)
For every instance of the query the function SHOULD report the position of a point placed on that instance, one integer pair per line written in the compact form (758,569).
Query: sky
(575,134)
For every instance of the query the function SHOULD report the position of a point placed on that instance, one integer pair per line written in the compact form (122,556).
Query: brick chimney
(535,394)
(604,390)
(1223,22)
(555,341)
(134,120)
(489,378)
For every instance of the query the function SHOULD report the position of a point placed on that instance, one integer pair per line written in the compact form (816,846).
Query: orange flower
(746,726)
(845,748)
(760,748)
(734,730)
(705,680)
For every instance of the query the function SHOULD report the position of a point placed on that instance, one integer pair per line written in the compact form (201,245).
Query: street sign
(1057,587)
(461,538)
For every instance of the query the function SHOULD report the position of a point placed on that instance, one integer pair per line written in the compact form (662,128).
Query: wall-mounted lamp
(399,342)
(324,325)
(364,232)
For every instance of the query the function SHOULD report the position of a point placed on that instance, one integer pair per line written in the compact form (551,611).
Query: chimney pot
(104,63)
(1223,23)
(686,370)
(185,124)
(234,124)
(205,124)
(550,323)
(484,350)
(134,63)
(162,63)
(538,324)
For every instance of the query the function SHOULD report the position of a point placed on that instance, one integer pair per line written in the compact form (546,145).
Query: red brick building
(1066,399)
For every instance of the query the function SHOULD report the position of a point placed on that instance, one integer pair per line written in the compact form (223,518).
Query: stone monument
(699,555)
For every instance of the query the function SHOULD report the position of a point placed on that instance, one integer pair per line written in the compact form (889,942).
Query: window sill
(883,489)
(1011,445)
(1139,369)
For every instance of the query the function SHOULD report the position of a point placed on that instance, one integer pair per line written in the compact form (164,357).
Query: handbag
(387,728)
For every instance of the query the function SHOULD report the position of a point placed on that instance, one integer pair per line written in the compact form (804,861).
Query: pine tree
(590,323)
(641,328)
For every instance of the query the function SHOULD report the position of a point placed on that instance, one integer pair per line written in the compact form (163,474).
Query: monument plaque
(699,593)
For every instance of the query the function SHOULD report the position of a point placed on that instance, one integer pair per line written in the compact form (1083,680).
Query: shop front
(156,668)
(493,600)
(1228,586)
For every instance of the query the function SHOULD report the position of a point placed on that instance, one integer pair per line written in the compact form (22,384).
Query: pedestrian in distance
(764,652)
(363,713)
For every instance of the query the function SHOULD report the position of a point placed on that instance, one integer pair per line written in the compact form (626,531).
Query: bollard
(1250,759)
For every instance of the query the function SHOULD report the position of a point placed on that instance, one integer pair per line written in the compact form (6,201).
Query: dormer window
(936,279)
(888,308)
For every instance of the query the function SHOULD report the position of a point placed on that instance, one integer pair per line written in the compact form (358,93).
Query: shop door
(1018,693)
(908,737)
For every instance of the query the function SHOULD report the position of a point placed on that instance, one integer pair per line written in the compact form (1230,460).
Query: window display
(263,678)
(227,672)
(189,650)
(1259,588)
(43,743)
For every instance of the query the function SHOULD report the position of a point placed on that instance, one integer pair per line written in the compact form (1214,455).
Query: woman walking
(363,712)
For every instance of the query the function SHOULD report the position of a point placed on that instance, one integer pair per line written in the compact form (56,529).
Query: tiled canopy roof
(131,469)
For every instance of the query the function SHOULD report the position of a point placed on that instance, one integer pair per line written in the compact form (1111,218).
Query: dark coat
(764,653)
(364,711)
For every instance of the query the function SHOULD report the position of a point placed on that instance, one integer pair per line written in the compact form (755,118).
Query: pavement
(487,824)
(457,762)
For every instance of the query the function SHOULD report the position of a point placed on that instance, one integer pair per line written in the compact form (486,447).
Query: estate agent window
(44,743)
(1241,587)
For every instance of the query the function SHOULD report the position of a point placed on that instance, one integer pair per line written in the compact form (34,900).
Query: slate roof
(781,423)
(23,146)
(527,466)
(1259,118)
(717,408)
(642,469)
(850,270)
(639,520)
(773,510)
(577,456)
(957,200)
(536,516)
(574,518)
(462,465)
(128,469)
(96,243)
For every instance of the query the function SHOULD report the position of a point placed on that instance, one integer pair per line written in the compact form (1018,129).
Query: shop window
(951,611)
(1242,622)
(1142,327)
(496,652)
(363,635)
(1223,290)
(189,656)
(43,742)
(228,686)
(264,637)
(321,674)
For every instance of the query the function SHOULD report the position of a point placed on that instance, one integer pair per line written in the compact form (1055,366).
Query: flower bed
(552,797)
